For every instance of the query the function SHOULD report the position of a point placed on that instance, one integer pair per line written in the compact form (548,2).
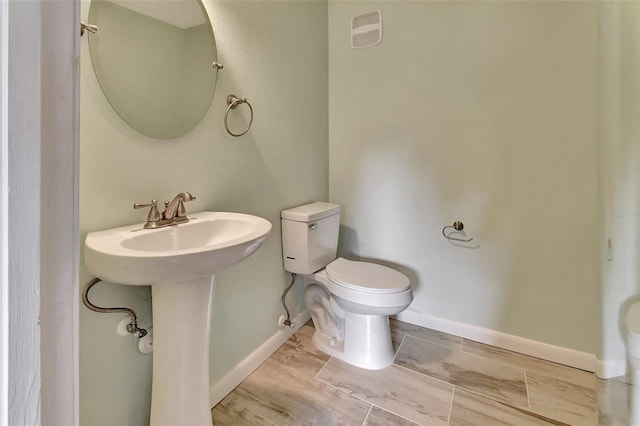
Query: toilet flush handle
(313,226)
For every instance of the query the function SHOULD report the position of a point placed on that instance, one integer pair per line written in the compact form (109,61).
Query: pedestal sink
(179,262)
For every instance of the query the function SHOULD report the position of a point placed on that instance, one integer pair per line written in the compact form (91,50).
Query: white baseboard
(558,354)
(608,368)
(241,371)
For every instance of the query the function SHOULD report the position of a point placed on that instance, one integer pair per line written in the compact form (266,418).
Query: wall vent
(366,29)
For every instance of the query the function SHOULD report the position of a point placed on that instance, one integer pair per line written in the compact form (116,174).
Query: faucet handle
(154,214)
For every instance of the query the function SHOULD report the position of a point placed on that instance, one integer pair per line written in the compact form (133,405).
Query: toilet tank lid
(310,212)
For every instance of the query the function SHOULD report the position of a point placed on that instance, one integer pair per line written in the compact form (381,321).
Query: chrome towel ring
(458,226)
(233,102)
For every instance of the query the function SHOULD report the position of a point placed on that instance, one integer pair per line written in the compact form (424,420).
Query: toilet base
(632,320)
(633,361)
(634,376)
(367,342)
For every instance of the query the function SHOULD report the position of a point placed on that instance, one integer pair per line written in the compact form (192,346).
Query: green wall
(484,112)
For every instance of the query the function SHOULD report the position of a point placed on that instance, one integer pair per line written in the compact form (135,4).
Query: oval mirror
(154,62)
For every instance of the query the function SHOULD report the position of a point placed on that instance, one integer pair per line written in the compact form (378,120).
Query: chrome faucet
(174,211)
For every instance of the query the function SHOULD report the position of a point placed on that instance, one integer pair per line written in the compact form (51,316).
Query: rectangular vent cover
(366,29)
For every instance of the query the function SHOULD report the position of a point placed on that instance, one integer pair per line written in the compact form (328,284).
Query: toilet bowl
(351,314)
(349,301)
(633,341)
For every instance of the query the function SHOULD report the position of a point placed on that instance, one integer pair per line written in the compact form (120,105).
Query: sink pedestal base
(181,330)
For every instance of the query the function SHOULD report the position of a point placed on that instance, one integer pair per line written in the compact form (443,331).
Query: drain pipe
(287,321)
(132,327)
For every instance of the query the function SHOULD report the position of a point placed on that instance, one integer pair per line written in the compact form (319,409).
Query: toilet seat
(388,289)
(366,277)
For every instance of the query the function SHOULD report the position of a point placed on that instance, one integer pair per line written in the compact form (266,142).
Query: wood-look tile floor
(436,379)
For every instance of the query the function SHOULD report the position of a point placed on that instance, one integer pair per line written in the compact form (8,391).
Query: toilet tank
(310,236)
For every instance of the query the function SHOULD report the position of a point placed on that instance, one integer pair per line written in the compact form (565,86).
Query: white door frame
(59,206)
(39,118)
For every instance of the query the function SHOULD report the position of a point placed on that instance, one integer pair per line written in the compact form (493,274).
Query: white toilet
(350,302)
(633,341)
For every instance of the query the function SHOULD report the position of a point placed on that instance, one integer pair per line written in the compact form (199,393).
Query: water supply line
(132,327)
(287,321)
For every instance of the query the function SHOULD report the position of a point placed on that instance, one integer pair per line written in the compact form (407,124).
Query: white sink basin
(208,243)
(179,262)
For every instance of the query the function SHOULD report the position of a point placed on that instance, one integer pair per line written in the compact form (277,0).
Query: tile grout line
(436,343)
(404,336)
(462,346)
(472,355)
(423,374)
(515,367)
(519,409)
(366,401)
(493,360)
(546,364)
(367,416)
(508,363)
(319,371)
(453,394)
(509,360)
(463,387)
